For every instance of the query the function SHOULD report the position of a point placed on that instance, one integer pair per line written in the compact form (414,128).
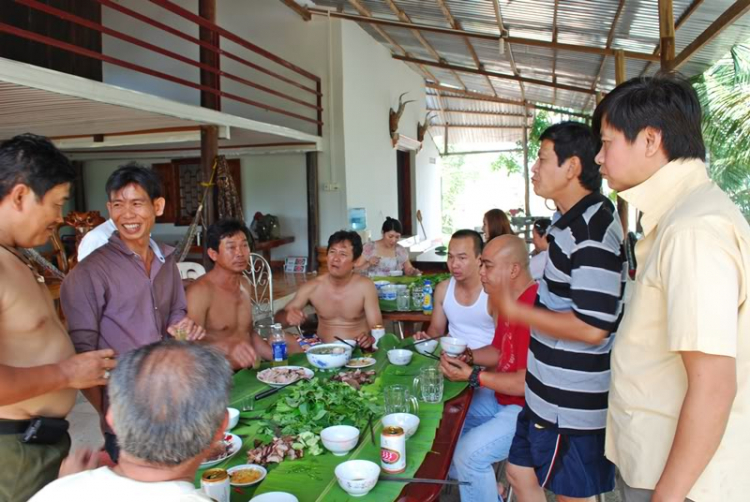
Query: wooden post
(445,142)
(527,188)
(209,134)
(622,205)
(313,218)
(666,33)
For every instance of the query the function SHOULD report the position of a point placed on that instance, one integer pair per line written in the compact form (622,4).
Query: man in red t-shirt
(491,423)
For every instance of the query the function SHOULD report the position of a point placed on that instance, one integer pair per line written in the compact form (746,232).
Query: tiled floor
(84,426)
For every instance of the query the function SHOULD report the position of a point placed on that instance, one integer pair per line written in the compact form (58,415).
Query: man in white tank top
(460,305)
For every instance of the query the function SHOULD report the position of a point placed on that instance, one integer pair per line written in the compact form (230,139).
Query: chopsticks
(274,390)
(421,341)
(433,356)
(423,480)
(356,343)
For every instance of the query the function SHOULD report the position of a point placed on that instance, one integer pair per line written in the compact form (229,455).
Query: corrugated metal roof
(578,22)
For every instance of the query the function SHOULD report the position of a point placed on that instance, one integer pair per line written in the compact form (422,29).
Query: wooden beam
(666,32)
(554,52)
(461,94)
(516,78)
(313,209)
(526,181)
(620,75)
(473,126)
(683,17)
(445,140)
(610,39)
(303,13)
(469,112)
(209,133)
(457,26)
(511,58)
(485,36)
(732,14)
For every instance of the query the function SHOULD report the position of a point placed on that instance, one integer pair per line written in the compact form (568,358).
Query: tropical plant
(453,182)
(512,162)
(724,92)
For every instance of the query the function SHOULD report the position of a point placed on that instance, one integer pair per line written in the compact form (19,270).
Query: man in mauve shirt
(128,293)
(490,425)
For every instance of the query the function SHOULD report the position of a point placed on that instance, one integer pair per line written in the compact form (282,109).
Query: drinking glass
(429,384)
(402,300)
(417,298)
(398,399)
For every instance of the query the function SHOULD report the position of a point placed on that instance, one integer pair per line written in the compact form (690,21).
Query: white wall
(360,82)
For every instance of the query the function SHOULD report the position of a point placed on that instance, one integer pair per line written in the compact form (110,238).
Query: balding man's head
(168,400)
(505,260)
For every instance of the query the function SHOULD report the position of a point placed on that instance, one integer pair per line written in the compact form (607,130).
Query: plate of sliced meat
(283,375)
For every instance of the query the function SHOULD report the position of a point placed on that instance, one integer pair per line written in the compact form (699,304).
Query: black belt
(13,426)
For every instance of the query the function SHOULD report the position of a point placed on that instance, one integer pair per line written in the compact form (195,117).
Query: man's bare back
(346,309)
(31,335)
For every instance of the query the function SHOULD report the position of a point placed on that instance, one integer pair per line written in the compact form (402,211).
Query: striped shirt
(567,382)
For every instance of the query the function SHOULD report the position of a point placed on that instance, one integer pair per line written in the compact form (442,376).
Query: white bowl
(452,346)
(406,421)
(340,439)
(275,497)
(357,477)
(234,417)
(342,354)
(400,357)
(260,469)
(426,347)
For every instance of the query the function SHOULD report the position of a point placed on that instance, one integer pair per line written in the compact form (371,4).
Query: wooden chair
(82,223)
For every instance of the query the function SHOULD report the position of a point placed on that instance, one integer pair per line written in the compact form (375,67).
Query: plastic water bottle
(278,345)
(427,300)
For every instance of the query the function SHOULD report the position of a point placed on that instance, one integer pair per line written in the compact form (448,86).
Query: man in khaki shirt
(678,425)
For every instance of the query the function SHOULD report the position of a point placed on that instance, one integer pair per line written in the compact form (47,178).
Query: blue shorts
(566,464)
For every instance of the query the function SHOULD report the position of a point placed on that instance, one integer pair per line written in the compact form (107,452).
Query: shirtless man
(39,370)
(346,303)
(220,300)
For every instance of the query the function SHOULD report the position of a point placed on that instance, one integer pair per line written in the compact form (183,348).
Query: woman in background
(386,256)
(495,223)
(539,256)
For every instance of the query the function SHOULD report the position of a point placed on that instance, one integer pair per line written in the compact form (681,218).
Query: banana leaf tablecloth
(312,479)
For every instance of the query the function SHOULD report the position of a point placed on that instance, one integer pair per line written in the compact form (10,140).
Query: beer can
(215,484)
(377,332)
(393,450)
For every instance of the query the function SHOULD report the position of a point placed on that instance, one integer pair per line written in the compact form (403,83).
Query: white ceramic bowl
(275,497)
(406,421)
(258,468)
(357,477)
(234,417)
(427,347)
(340,439)
(452,346)
(340,356)
(400,357)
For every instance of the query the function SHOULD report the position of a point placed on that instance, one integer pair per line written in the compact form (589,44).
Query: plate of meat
(222,450)
(283,375)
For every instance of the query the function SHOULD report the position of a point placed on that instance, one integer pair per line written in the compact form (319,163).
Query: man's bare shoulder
(201,286)
(362,283)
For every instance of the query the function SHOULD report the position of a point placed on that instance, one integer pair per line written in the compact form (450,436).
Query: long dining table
(312,479)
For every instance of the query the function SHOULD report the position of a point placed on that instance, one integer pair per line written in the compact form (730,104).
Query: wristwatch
(474,377)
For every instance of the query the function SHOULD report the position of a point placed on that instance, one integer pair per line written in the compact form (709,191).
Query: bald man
(491,422)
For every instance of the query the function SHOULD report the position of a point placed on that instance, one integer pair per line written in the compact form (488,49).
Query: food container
(339,439)
(407,421)
(215,484)
(452,346)
(400,357)
(329,356)
(234,417)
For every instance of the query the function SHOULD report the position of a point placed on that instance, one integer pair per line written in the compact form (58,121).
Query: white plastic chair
(261,296)
(189,270)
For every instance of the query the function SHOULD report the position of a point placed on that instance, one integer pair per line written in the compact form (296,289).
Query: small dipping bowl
(234,417)
(400,357)
(357,477)
(427,347)
(407,421)
(340,439)
(452,346)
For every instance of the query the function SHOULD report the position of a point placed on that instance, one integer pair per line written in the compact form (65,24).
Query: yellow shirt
(690,294)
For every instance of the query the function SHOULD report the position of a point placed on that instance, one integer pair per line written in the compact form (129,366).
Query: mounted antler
(423,128)
(395,116)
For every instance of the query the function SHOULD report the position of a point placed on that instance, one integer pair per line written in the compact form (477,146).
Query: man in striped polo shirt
(559,441)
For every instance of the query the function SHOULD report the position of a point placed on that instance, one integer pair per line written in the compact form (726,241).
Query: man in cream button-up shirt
(679,406)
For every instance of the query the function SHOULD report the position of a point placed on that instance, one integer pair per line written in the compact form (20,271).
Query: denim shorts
(566,464)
